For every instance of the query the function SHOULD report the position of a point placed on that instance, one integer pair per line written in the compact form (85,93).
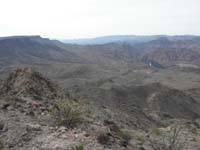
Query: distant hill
(36,52)
(124,38)
(166,52)
(33,48)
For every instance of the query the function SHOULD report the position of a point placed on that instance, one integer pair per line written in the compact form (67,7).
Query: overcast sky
(91,18)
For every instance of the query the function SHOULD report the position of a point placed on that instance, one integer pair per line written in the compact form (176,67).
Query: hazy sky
(91,18)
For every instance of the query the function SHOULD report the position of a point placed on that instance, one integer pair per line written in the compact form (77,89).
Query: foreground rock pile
(27,82)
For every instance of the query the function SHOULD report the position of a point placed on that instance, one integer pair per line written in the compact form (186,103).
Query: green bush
(194,131)
(141,139)
(67,113)
(156,131)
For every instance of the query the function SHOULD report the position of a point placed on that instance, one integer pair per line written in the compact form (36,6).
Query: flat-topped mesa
(27,82)
(21,37)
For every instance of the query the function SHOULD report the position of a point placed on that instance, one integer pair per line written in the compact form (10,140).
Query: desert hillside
(114,96)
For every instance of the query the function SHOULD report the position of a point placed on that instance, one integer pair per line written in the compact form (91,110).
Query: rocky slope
(120,118)
(132,87)
(169,53)
(142,103)
(26,82)
(29,49)
(27,99)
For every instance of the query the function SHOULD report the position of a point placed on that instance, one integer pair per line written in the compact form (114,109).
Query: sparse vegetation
(167,141)
(103,138)
(1,144)
(67,113)
(141,139)
(156,131)
(113,135)
(125,139)
(78,147)
(194,131)
(115,131)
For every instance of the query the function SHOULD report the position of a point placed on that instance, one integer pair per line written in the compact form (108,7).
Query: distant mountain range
(125,38)
(96,60)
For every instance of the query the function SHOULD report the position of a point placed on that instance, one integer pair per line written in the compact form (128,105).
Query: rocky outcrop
(29,83)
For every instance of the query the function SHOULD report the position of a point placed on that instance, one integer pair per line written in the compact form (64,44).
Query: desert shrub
(167,141)
(194,131)
(156,131)
(125,139)
(78,147)
(140,138)
(1,144)
(107,139)
(115,131)
(67,113)
(103,138)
